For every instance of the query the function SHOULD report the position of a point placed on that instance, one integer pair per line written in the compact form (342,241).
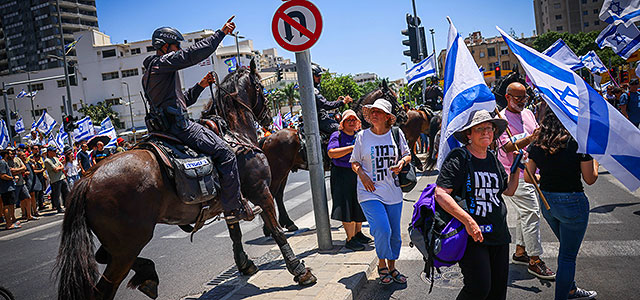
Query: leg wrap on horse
(294,265)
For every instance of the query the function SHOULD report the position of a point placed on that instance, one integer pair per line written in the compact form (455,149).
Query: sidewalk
(341,272)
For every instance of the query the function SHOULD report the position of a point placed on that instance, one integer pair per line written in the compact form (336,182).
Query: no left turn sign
(297,25)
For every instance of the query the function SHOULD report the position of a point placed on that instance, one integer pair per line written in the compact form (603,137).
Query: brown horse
(284,152)
(124,197)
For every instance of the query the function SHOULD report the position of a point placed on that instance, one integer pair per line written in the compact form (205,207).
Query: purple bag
(440,238)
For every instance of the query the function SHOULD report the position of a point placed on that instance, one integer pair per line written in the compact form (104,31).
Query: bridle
(264,109)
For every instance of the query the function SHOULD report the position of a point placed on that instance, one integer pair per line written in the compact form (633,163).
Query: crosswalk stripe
(23,232)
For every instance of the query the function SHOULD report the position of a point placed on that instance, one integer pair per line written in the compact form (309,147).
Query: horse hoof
(292,228)
(306,279)
(149,288)
(250,270)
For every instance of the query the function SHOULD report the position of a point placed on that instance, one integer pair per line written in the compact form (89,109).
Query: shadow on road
(610,207)
(519,273)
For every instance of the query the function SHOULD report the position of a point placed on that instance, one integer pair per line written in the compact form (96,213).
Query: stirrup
(246,213)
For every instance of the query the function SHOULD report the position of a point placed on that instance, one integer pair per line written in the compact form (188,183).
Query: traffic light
(68,123)
(412,42)
(423,43)
(497,70)
(279,74)
(614,73)
(624,77)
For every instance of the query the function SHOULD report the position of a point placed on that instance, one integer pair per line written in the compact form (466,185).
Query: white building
(105,70)
(363,78)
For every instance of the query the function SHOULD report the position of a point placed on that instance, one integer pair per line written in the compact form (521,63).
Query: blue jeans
(568,218)
(384,222)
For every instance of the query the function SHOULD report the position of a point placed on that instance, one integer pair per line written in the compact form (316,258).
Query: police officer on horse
(169,104)
(326,123)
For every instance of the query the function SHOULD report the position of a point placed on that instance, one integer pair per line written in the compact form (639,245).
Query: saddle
(324,142)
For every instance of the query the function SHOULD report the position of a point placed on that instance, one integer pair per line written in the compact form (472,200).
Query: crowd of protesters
(29,171)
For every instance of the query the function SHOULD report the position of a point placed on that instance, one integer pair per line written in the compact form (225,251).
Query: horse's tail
(76,267)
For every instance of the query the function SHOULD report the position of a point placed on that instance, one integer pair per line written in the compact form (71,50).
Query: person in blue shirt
(629,104)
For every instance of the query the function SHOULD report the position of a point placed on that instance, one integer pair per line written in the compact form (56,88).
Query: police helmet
(317,70)
(166,35)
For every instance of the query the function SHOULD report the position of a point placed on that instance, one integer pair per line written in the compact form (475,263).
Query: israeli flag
(620,11)
(287,116)
(19,126)
(592,62)
(4,135)
(21,94)
(561,52)
(61,138)
(464,91)
(85,129)
(106,128)
(421,70)
(598,127)
(48,190)
(32,94)
(46,123)
(277,121)
(623,39)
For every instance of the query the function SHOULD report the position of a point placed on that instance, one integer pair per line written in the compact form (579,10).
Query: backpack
(441,238)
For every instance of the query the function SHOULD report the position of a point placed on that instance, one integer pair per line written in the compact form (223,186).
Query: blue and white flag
(106,128)
(287,116)
(48,190)
(277,121)
(21,94)
(46,123)
(464,91)
(32,94)
(561,52)
(85,129)
(61,138)
(592,62)
(620,11)
(421,70)
(4,135)
(599,128)
(19,126)
(624,40)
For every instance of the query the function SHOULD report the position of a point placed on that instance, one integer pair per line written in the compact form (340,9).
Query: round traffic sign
(297,25)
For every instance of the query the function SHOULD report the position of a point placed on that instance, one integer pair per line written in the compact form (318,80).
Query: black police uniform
(327,124)
(162,85)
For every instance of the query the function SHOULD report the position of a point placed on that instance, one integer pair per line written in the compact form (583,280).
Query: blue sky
(358,35)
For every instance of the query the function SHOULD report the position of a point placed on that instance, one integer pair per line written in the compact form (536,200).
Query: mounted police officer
(169,104)
(325,122)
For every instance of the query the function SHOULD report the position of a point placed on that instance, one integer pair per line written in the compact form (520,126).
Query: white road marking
(292,185)
(23,232)
(46,237)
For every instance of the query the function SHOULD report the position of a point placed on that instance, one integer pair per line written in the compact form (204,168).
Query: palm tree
(290,94)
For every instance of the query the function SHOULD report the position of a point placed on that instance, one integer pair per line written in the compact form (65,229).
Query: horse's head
(384,92)
(243,86)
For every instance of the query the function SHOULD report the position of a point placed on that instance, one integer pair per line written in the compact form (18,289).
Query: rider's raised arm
(191,55)
(191,95)
(322,102)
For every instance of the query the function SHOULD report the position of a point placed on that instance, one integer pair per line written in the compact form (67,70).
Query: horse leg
(283,217)
(243,263)
(116,271)
(146,278)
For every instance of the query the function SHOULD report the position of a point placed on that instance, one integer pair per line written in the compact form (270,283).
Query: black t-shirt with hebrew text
(484,197)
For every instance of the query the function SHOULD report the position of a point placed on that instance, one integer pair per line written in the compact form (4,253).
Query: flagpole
(533,178)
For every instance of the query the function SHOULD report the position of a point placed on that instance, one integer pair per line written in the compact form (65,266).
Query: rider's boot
(244,212)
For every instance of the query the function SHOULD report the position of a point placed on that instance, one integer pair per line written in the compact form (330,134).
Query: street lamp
(67,80)
(432,31)
(405,65)
(64,59)
(237,36)
(133,127)
(33,110)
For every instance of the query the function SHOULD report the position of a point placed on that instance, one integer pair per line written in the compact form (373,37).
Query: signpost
(296,27)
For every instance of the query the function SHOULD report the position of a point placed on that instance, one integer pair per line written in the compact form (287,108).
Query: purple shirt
(340,139)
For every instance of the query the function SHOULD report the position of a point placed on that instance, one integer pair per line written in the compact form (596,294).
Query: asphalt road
(185,269)
(608,261)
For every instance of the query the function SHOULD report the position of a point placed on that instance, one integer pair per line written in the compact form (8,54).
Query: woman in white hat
(470,188)
(344,182)
(377,160)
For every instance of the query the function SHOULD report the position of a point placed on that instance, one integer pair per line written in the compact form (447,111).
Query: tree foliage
(290,94)
(580,43)
(99,111)
(334,86)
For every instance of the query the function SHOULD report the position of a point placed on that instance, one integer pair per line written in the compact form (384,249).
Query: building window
(61,83)
(559,28)
(10,91)
(150,49)
(39,112)
(586,24)
(584,1)
(595,11)
(556,5)
(129,73)
(112,101)
(504,52)
(596,22)
(585,12)
(75,107)
(491,52)
(558,17)
(135,51)
(506,65)
(481,54)
(37,87)
(108,53)
(62,110)
(109,76)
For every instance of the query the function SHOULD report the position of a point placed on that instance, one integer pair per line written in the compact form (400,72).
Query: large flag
(46,123)
(464,91)
(21,94)
(85,129)
(71,45)
(61,138)
(623,39)
(19,126)
(287,116)
(232,63)
(592,62)
(32,94)
(598,127)
(106,128)
(561,52)
(421,70)
(4,135)
(620,11)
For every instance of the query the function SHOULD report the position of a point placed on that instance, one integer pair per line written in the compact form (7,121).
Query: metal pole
(64,60)
(7,117)
(420,54)
(133,127)
(237,49)
(314,151)
(433,40)
(33,110)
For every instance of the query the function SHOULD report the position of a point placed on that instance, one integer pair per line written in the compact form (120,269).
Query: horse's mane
(228,85)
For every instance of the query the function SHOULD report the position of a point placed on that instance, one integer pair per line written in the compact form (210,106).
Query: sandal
(385,277)
(398,277)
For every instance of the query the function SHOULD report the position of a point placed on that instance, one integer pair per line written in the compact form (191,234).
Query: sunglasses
(484,129)
(522,98)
